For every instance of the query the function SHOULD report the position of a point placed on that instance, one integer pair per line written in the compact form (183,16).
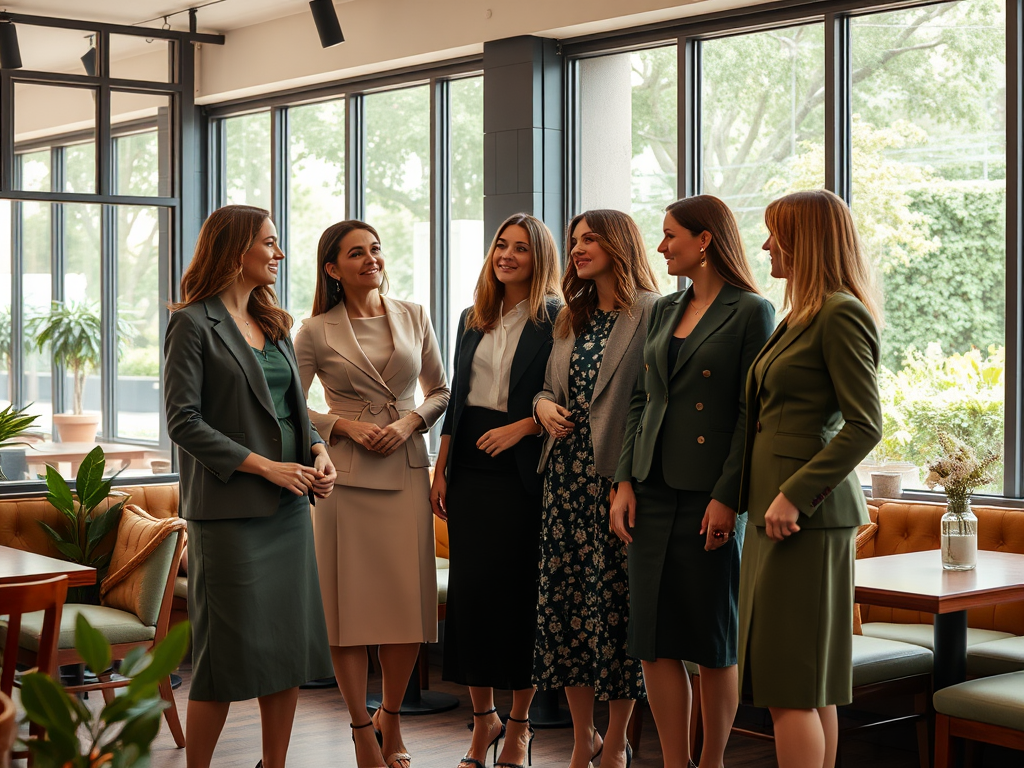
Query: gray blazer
(219,410)
(620,367)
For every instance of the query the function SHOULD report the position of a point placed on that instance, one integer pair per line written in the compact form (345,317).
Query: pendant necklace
(248,329)
(692,303)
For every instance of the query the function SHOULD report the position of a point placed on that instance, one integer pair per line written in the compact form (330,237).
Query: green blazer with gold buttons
(697,403)
(813,414)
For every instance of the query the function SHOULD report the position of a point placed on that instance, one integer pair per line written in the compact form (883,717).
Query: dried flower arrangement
(958,471)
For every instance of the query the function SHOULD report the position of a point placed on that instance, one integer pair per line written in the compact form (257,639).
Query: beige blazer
(620,367)
(326,347)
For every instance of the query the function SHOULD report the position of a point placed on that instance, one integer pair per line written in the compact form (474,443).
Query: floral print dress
(584,599)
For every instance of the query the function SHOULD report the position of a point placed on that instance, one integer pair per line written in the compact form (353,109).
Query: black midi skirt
(493,537)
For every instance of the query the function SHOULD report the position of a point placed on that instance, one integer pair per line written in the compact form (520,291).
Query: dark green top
(279,379)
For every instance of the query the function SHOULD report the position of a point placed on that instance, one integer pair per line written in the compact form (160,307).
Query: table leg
(950,641)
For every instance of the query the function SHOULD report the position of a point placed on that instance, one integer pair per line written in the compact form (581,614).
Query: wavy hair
(490,291)
(217,263)
(329,292)
(706,213)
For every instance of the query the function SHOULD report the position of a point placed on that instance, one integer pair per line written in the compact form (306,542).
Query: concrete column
(606,132)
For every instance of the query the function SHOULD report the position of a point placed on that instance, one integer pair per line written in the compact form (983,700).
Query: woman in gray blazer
(583,603)
(249,462)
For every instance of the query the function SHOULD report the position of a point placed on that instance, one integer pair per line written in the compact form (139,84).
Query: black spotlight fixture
(326,20)
(10,52)
(89,59)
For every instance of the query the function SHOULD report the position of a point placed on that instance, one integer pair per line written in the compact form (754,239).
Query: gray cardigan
(609,405)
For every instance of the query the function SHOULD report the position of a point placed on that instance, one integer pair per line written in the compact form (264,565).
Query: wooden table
(17,566)
(917,581)
(38,454)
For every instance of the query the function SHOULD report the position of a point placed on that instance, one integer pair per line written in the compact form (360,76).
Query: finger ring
(719,534)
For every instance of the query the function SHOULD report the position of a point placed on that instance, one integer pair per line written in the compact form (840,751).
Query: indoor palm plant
(13,422)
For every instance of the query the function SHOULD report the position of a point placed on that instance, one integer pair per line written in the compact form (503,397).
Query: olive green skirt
(796,618)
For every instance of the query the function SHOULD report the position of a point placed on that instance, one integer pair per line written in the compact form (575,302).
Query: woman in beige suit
(375,538)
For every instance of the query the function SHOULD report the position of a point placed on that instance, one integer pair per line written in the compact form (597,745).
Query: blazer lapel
(407,345)
(777,343)
(669,320)
(721,309)
(342,339)
(622,333)
(467,351)
(530,343)
(239,348)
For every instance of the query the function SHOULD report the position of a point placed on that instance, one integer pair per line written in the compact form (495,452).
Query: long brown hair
(620,237)
(706,213)
(486,310)
(217,263)
(329,292)
(821,251)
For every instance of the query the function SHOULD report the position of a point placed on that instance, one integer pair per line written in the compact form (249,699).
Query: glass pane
(141,124)
(468,240)
(51,49)
(34,171)
(80,168)
(628,140)
(929,197)
(317,193)
(140,58)
(82,292)
(247,155)
(37,120)
(763,127)
(398,187)
(33,248)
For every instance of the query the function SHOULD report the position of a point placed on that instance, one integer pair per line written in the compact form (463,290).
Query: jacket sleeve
(183,401)
(760,325)
(309,366)
(449,414)
(636,406)
(548,393)
(432,379)
(851,351)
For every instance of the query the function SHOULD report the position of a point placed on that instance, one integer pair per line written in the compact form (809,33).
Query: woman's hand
(622,514)
(296,478)
(391,437)
(780,519)
(438,490)
(718,519)
(554,418)
(499,439)
(359,432)
(326,473)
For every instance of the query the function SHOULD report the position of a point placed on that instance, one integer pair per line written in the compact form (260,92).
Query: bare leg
(396,663)
(486,728)
(585,738)
(517,735)
(204,720)
(830,726)
(619,711)
(799,738)
(720,698)
(668,691)
(277,712)
(350,669)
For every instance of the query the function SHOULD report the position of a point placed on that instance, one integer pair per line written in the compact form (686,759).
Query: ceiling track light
(326,20)
(89,59)
(10,52)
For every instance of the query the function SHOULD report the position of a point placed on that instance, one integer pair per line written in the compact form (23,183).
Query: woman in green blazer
(813,414)
(678,479)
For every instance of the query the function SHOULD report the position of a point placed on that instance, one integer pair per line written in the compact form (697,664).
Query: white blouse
(492,363)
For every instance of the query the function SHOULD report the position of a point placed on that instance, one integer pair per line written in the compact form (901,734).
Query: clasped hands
(297,478)
(554,418)
(718,525)
(382,440)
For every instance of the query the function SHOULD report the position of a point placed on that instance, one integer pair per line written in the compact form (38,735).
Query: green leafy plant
(13,422)
(120,735)
(84,529)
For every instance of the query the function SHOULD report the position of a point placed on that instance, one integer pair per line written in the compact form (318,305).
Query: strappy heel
(354,728)
(395,757)
(494,742)
(529,746)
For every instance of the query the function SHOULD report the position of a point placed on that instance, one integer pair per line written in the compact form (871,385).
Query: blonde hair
(820,251)
(620,237)
(487,297)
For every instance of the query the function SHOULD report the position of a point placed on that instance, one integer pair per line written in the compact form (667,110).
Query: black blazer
(526,379)
(219,410)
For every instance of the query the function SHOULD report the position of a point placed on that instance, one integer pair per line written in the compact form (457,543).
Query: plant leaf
(88,483)
(47,705)
(91,645)
(166,657)
(58,492)
(130,665)
(101,525)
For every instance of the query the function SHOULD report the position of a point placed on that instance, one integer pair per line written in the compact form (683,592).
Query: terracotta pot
(77,428)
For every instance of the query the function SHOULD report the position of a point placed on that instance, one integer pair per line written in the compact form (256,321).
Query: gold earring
(703,258)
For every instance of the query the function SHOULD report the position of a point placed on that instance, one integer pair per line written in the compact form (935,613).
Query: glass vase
(959,537)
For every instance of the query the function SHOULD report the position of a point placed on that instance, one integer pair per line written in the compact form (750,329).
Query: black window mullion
(280,172)
(690,171)
(838,107)
(1013,440)
(9,166)
(573,148)
(17,356)
(108,320)
(58,264)
(440,207)
(104,143)
(355,156)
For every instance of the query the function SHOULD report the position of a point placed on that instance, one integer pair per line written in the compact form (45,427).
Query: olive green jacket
(698,405)
(813,414)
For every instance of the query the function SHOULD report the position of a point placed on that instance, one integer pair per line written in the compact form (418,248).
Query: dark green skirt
(254,603)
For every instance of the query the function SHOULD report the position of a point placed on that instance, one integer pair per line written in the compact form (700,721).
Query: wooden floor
(321,738)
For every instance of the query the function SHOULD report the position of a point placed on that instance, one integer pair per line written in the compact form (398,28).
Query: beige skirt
(375,556)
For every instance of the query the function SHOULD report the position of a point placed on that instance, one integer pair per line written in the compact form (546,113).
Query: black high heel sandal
(529,746)
(354,729)
(494,742)
(394,757)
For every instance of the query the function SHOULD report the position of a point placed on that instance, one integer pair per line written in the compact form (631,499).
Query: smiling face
(682,248)
(359,264)
(591,260)
(260,262)
(512,259)
(778,269)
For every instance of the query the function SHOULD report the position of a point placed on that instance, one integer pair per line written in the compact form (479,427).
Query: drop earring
(703,257)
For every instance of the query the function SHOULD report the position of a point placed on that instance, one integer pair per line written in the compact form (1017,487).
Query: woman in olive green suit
(678,479)
(813,414)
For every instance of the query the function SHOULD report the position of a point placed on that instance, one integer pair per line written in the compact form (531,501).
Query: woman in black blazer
(249,463)
(486,483)
(678,478)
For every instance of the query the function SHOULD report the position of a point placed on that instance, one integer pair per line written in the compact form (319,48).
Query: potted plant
(84,528)
(13,422)
(120,735)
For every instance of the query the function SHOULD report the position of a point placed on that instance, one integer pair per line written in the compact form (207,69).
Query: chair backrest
(17,599)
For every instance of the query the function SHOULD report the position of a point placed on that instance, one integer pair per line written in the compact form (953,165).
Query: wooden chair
(8,729)
(988,710)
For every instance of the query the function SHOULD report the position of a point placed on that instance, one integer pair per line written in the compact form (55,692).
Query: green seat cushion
(997,700)
(876,660)
(117,626)
(996,657)
(923,634)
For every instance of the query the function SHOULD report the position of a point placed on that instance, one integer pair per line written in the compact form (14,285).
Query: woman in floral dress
(584,601)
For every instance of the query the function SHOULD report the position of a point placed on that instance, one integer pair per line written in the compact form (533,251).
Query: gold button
(647,367)
(701,439)
(700,406)
(648,397)
(707,374)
